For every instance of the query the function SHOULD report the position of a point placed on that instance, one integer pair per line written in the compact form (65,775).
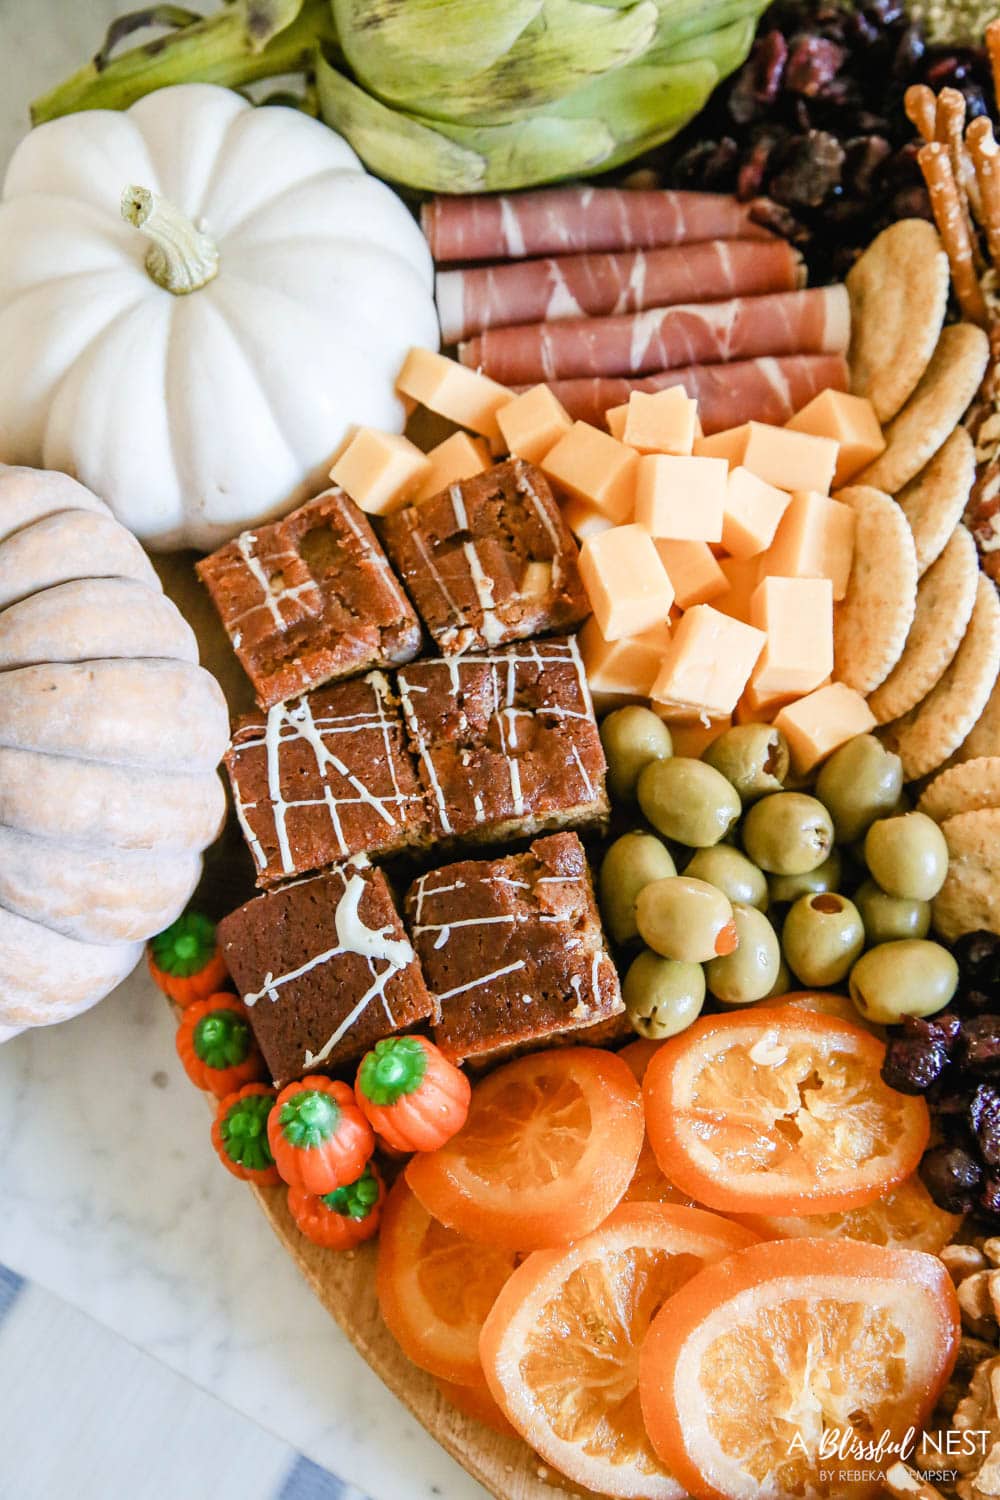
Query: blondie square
(310,599)
(489,560)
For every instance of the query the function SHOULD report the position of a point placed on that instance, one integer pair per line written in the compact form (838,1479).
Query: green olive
(749,972)
(685,919)
(688,801)
(889,919)
(632,737)
(821,938)
(908,978)
(860,782)
(788,833)
(783,982)
(907,856)
(632,861)
(825,877)
(729,870)
(662,995)
(754,757)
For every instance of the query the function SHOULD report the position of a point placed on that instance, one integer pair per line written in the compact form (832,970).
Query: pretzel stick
(992,39)
(921,110)
(953,229)
(985,155)
(950,131)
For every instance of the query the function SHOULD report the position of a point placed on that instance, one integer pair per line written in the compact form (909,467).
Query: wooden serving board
(345,1281)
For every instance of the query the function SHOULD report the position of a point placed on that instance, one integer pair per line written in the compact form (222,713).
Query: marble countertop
(109,1193)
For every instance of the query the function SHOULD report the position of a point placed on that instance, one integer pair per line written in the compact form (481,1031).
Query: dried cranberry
(975,1002)
(911,1066)
(953,1177)
(978,957)
(813,62)
(810,170)
(909,53)
(885,12)
(989,1198)
(863,158)
(984,1112)
(979,1049)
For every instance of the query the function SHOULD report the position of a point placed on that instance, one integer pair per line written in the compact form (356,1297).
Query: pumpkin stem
(180,259)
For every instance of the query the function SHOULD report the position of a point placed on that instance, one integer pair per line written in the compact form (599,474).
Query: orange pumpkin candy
(341,1219)
(319,1138)
(412,1096)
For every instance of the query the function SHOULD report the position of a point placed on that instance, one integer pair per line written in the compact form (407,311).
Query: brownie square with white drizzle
(506,742)
(325,777)
(489,560)
(325,969)
(512,949)
(310,599)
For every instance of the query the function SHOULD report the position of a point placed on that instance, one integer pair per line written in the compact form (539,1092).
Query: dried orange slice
(548,1150)
(476,1401)
(906,1217)
(435,1288)
(767,1376)
(560,1348)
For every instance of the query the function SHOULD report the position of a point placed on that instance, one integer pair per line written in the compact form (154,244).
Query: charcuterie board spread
(590,945)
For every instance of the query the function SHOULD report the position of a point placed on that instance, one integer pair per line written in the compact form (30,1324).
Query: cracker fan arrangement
(598,978)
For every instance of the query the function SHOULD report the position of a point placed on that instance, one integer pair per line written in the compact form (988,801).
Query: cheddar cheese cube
(585,520)
(692,740)
(626,582)
(815,539)
(753,508)
(681,499)
(851,422)
(695,573)
(458,457)
(380,470)
(817,725)
(742,575)
(730,444)
(463,396)
(592,466)
(787,459)
(533,423)
(796,615)
(616,417)
(707,665)
(622,671)
(661,421)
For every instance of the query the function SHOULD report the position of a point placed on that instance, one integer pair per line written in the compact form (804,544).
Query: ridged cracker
(899,295)
(935,409)
(973,785)
(970,896)
(926,736)
(984,737)
(945,596)
(871,622)
(934,502)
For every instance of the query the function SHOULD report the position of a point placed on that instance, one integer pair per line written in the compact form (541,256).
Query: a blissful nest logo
(845,1455)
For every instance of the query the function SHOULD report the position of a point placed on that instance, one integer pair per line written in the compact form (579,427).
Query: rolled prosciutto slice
(557,221)
(605,284)
(758,390)
(817,321)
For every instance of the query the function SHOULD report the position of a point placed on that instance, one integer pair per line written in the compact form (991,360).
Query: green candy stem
(355,1201)
(309,1119)
(244,1132)
(222,1039)
(186,946)
(396,1066)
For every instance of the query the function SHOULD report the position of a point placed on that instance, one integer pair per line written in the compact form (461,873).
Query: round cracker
(966,788)
(871,622)
(934,502)
(926,736)
(945,596)
(899,296)
(983,738)
(935,409)
(970,896)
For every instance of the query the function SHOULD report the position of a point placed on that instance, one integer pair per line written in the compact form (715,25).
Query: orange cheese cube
(585,520)
(797,616)
(789,460)
(694,572)
(751,514)
(742,574)
(681,499)
(458,457)
(692,740)
(596,468)
(380,470)
(851,422)
(463,396)
(815,539)
(819,724)
(616,417)
(533,423)
(626,583)
(661,421)
(707,666)
(730,444)
(621,671)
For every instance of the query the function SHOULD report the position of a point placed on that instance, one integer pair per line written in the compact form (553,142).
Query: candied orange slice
(776,1373)
(907,1216)
(560,1348)
(477,1401)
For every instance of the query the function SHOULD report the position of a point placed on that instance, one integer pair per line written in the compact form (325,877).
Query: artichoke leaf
(684,21)
(264,19)
(565,47)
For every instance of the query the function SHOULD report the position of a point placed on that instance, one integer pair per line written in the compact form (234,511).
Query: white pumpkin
(200,381)
(110,739)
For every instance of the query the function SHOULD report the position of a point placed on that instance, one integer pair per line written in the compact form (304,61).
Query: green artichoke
(451,95)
